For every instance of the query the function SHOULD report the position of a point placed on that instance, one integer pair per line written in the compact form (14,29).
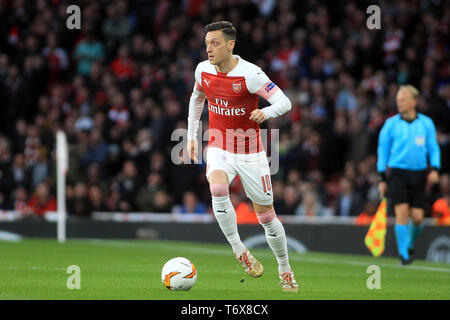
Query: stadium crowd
(121,85)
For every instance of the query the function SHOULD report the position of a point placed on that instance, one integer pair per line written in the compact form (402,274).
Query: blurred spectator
(116,26)
(119,113)
(266,7)
(358,142)
(88,51)
(78,203)
(40,170)
(310,205)
(96,199)
(348,201)
(95,150)
(20,173)
(346,100)
(19,136)
(441,207)
(146,196)
(290,203)
(6,175)
(191,204)
(162,202)
(128,185)
(16,96)
(123,65)
(94,178)
(20,199)
(57,59)
(392,40)
(130,150)
(3,204)
(32,144)
(278,189)
(145,148)
(121,86)
(41,202)
(113,202)
(366,216)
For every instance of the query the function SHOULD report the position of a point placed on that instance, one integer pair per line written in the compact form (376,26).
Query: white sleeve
(261,85)
(279,106)
(196,103)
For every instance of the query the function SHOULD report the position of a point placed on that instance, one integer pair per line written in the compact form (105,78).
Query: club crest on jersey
(237,87)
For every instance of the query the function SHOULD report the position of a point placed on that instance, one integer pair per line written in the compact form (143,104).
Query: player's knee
(266,217)
(417,217)
(219,189)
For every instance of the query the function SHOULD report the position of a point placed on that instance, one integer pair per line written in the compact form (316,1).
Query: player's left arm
(261,85)
(383,152)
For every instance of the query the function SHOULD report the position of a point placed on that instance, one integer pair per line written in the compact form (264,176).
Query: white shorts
(253,170)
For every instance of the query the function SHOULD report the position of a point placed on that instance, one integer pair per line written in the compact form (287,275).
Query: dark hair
(229,31)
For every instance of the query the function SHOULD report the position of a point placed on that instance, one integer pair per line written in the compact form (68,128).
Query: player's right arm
(384,147)
(196,103)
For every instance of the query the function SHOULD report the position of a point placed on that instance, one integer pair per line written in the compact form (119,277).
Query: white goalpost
(62,165)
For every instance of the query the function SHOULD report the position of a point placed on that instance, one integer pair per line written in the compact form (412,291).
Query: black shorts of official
(407,186)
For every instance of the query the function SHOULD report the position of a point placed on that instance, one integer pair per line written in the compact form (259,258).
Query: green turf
(130,269)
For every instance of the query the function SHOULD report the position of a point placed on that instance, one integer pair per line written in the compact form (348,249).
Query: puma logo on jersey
(207,82)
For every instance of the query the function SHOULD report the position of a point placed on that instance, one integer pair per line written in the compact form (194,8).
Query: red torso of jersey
(229,106)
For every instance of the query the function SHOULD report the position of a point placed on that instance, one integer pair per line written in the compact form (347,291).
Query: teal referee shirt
(409,145)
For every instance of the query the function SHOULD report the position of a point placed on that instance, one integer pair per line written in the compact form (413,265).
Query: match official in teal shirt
(408,156)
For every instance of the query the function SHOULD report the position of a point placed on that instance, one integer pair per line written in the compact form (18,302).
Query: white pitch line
(31,268)
(362,263)
(197,249)
(41,268)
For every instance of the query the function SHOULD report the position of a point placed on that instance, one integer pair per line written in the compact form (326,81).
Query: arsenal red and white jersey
(231,98)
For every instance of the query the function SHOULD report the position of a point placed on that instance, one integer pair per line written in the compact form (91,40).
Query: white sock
(226,217)
(276,238)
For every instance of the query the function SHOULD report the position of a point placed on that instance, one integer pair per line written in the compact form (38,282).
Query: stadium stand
(120,86)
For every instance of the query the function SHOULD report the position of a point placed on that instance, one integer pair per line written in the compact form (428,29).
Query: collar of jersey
(223,74)
(410,120)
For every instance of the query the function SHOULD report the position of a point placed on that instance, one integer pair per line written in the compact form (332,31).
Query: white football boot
(252,266)
(288,283)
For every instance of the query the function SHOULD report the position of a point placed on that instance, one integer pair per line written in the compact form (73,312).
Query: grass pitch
(131,269)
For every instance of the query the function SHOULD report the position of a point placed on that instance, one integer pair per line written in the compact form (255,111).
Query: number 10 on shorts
(266,183)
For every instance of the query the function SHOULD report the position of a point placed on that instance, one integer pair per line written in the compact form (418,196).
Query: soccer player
(232,87)
(407,145)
